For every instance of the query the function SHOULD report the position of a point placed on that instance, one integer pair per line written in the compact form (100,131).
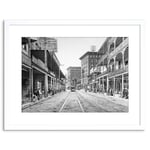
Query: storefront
(111,84)
(118,84)
(103,84)
(126,81)
(26,85)
(38,83)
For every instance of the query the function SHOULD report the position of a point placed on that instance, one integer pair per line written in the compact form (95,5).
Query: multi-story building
(113,66)
(73,76)
(40,70)
(26,70)
(88,62)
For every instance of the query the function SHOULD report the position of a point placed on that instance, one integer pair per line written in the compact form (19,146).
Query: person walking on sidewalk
(125,93)
(38,92)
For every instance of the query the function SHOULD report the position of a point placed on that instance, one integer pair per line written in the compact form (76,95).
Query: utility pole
(59,76)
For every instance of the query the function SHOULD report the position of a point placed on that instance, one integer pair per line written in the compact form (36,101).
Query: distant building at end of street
(73,77)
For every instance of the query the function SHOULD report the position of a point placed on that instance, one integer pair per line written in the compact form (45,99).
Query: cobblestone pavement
(78,101)
(98,103)
(52,104)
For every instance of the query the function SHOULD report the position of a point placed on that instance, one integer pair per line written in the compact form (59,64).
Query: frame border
(140,23)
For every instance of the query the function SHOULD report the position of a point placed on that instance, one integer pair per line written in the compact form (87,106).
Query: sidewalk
(117,100)
(33,103)
(38,101)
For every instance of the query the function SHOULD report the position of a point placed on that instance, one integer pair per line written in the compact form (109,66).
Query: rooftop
(88,53)
(73,67)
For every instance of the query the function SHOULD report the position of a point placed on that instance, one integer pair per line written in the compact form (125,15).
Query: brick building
(88,62)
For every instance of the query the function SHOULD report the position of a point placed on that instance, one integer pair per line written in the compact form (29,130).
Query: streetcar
(72,89)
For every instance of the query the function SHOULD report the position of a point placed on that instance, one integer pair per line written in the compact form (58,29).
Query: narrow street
(79,101)
(92,81)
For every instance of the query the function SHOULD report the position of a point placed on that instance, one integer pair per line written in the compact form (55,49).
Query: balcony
(51,73)
(39,63)
(26,60)
(119,48)
(118,71)
(103,73)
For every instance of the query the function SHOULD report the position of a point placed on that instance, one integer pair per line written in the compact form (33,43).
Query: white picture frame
(14,119)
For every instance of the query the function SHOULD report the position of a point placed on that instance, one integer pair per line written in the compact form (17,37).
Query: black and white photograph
(75,74)
(81,75)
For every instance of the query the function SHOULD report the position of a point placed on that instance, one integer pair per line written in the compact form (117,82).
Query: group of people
(38,93)
(110,91)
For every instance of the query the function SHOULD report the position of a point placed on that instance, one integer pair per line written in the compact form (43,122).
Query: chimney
(93,48)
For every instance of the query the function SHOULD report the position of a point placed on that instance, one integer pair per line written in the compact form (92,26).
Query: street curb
(34,103)
(110,98)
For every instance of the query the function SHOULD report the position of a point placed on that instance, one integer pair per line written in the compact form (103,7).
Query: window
(111,48)
(126,56)
(25,48)
(119,41)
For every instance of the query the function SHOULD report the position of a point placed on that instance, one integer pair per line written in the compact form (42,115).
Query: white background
(78,9)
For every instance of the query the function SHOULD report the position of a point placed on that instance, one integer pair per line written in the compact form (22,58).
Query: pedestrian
(38,94)
(111,92)
(125,93)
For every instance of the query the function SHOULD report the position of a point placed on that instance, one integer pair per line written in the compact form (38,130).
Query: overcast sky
(71,49)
